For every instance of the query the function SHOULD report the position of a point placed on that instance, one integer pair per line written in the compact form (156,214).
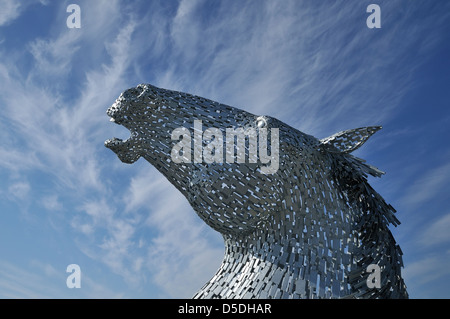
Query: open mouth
(127,150)
(115,142)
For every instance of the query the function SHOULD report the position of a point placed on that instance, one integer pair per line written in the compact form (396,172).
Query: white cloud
(52,203)
(15,160)
(10,10)
(48,269)
(42,280)
(66,145)
(185,27)
(431,184)
(100,212)
(63,135)
(184,253)
(437,233)
(111,238)
(19,190)
(36,281)
(304,63)
(425,273)
(16,283)
(53,57)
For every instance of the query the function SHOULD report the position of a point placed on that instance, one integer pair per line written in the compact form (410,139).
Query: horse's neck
(313,249)
(268,268)
(303,252)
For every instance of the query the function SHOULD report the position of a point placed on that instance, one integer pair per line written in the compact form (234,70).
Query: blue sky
(65,198)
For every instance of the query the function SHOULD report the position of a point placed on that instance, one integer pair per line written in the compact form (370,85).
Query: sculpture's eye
(261,122)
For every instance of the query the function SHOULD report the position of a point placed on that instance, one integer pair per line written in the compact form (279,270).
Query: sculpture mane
(308,230)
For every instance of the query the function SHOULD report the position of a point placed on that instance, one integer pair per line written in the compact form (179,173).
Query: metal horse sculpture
(309,230)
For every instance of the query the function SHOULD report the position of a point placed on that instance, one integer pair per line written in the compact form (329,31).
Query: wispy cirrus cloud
(431,184)
(437,233)
(54,57)
(19,189)
(52,203)
(316,63)
(58,136)
(46,282)
(64,144)
(184,253)
(19,283)
(10,11)
(426,275)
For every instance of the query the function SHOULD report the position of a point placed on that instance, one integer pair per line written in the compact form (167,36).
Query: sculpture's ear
(348,141)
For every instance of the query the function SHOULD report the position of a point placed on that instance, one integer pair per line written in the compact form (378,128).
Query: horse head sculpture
(302,222)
